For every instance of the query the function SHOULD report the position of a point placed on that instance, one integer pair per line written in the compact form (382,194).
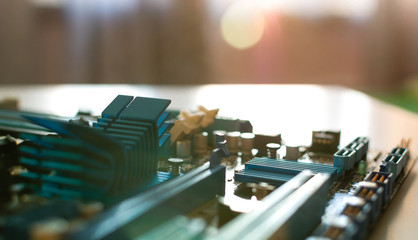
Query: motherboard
(143,171)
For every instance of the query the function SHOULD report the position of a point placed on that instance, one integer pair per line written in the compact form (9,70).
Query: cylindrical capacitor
(200,143)
(232,142)
(272,149)
(247,142)
(292,152)
(183,148)
(217,132)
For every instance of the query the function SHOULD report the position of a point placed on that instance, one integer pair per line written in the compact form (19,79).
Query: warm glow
(243,24)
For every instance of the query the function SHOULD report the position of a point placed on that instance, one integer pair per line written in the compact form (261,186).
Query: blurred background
(364,44)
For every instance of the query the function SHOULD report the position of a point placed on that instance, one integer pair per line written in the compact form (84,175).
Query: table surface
(292,110)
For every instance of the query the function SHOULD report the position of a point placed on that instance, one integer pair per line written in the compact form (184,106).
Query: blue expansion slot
(278,171)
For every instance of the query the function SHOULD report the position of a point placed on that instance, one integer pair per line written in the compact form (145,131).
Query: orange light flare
(268,60)
(254,24)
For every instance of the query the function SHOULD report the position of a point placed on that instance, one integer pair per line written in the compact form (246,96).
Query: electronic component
(383,179)
(336,227)
(368,197)
(233,141)
(200,143)
(395,161)
(261,141)
(138,214)
(299,202)
(360,211)
(272,149)
(278,171)
(117,176)
(184,149)
(227,125)
(325,141)
(292,152)
(346,158)
(373,194)
(247,143)
(189,123)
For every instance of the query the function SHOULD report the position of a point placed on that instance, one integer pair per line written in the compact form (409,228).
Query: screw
(175,165)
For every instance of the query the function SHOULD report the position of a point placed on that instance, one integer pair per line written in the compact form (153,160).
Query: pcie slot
(137,215)
(13,123)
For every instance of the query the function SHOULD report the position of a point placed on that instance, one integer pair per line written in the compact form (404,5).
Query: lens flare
(242,24)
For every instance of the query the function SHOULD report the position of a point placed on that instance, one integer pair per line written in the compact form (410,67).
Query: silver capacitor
(272,149)
(232,142)
(200,143)
(247,142)
(183,148)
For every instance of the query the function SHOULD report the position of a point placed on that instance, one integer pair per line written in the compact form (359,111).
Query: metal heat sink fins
(78,162)
(112,158)
(278,171)
(140,124)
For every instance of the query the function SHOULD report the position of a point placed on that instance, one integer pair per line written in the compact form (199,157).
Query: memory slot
(13,122)
(147,210)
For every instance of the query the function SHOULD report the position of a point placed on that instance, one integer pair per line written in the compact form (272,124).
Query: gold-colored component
(189,123)
(333,232)
(89,210)
(370,194)
(16,170)
(351,210)
(382,178)
(374,179)
(363,192)
(51,229)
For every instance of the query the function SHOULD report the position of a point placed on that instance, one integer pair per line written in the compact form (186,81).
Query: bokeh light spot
(242,24)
